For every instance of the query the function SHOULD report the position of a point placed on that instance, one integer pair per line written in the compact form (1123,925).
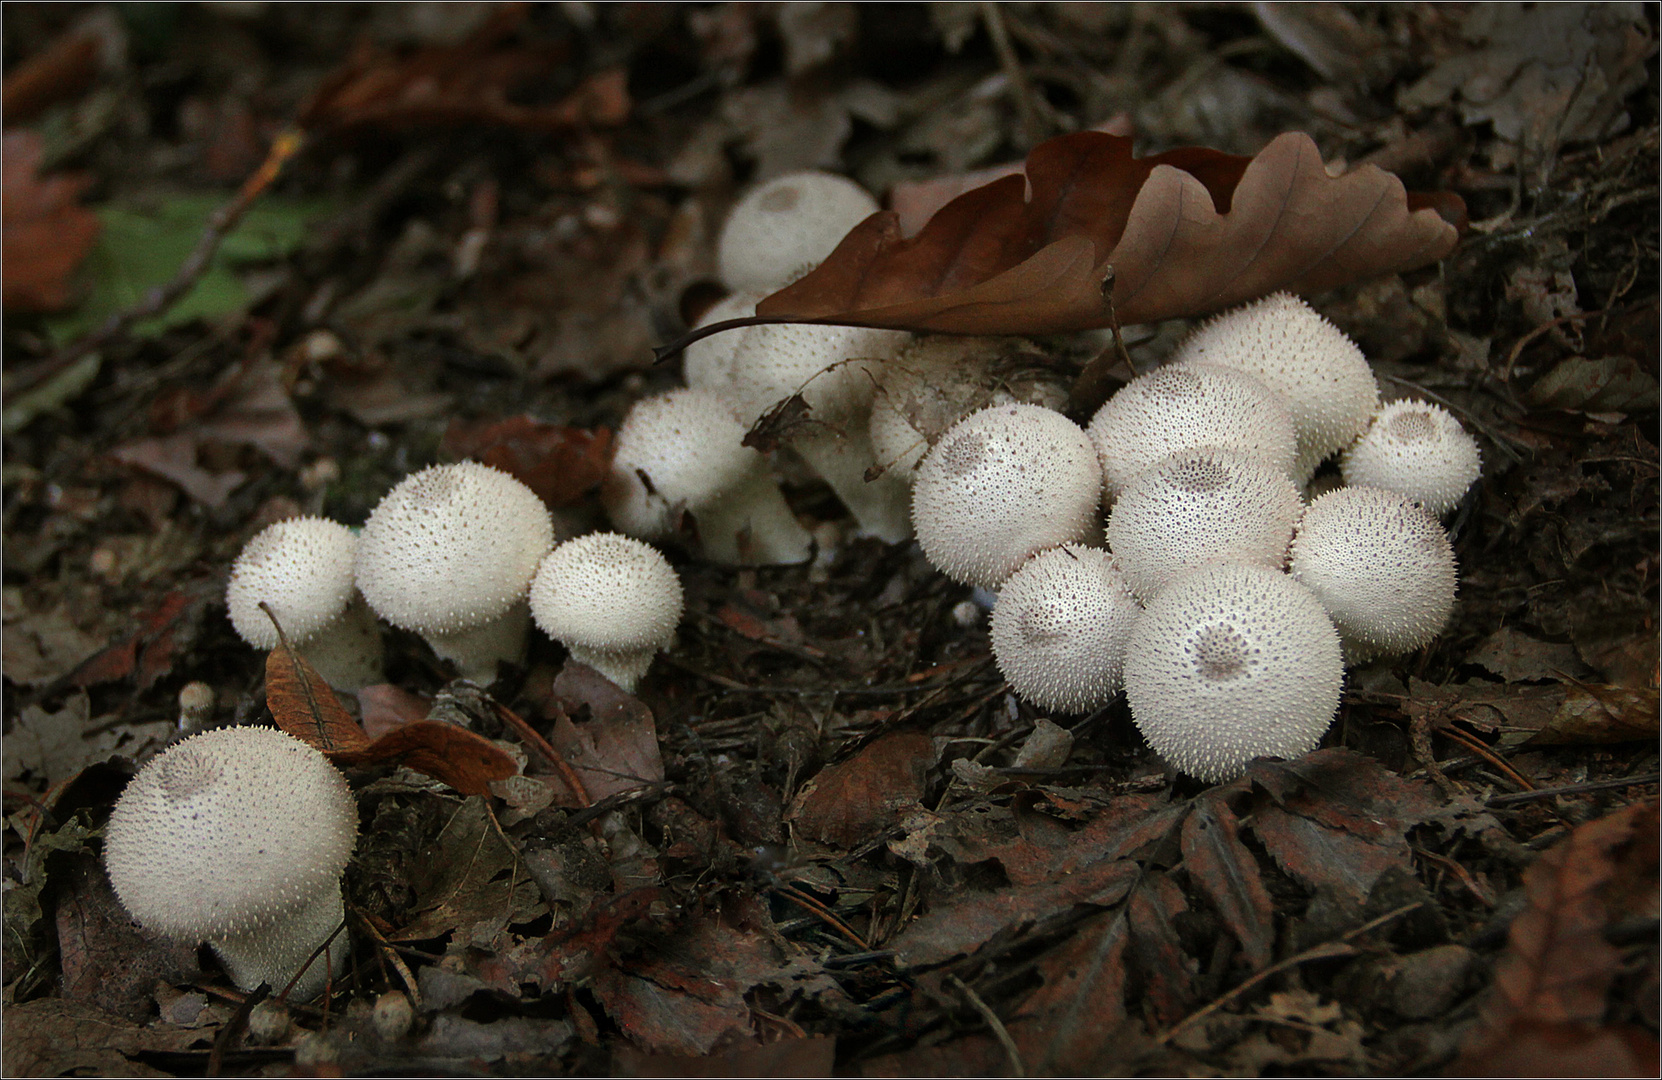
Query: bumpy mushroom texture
(684,450)
(238,836)
(1232,663)
(1381,565)
(834,368)
(451,549)
(611,600)
(1188,406)
(302,569)
(1327,383)
(1000,485)
(1198,507)
(1060,627)
(706,364)
(1418,449)
(782,228)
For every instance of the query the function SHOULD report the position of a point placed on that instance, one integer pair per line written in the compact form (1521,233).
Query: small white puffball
(1329,387)
(1418,449)
(1060,627)
(833,367)
(788,225)
(1001,484)
(706,363)
(1184,407)
(1381,565)
(684,450)
(611,600)
(238,836)
(1198,507)
(1232,663)
(448,552)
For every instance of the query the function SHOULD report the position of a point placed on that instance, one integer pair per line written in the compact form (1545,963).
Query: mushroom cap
(787,225)
(1182,407)
(1231,663)
(301,568)
(229,831)
(1060,626)
(1380,563)
(706,363)
(832,367)
(607,592)
(1286,345)
(451,547)
(1418,449)
(1001,484)
(1197,507)
(690,448)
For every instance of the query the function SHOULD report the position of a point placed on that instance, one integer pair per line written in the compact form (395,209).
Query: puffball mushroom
(1380,564)
(449,553)
(707,362)
(788,225)
(1197,507)
(1000,485)
(683,449)
(1060,626)
(1187,406)
(302,570)
(1326,381)
(239,836)
(1418,449)
(611,600)
(1232,663)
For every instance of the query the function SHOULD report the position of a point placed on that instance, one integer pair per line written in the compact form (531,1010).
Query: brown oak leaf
(46,232)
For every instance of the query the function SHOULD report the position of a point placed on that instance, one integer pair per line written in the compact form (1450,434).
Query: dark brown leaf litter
(823,838)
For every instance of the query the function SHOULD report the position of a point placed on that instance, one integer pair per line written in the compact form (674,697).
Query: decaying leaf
(1225,871)
(1180,233)
(47,233)
(849,802)
(615,751)
(147,653)
(561,464)
(472,882)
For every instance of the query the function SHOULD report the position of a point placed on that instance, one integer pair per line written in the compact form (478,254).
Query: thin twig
(999,1031)
(1339,946)
(391,953)
(803,900)
(1574,789)
(1021,91)
(545,750)
(1476,746)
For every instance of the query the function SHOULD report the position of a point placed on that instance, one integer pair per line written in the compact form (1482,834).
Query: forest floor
(823,838)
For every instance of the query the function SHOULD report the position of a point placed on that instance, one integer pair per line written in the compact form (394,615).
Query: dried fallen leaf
(561,464)
(1069,1026)
(616,751)
(1222,868)
(147,653)
(1180,233)
(470,882)
(45,232)
(304,706)
(847,803)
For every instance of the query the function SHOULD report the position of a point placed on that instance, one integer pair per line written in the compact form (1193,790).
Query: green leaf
(143,246)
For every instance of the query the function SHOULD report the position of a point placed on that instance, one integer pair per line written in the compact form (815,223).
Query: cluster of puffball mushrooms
(1223,604)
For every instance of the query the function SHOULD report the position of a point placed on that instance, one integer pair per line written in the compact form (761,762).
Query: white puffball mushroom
(238,836)
(1191,405)
(683,450)
(1197,507)
(1282,341)
(449,554)
(1000,485)
(611,600)
(786,226)
(302,569)
(707,362)
(1382,566)
(1418,449)
(1060,627)
(1232,663)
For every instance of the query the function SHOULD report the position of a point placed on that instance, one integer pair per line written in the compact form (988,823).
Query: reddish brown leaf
(43,231)
(1222,868)
(806,1056)
(56,73)
(561,464)
(386,707)
(1069,1026)
(303,705)
(1167,972)
(849,802)
(148,652)
(465,760)
(1181,233)
(615,751)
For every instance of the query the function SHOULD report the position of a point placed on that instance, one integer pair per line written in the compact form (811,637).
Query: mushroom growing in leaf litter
(1418,449)
(612,600)
(238,836)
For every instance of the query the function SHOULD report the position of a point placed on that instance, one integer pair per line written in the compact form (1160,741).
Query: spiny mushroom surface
(784,227)
(684,449)
(1325,379)
(1183,407)
(612,600)
(1418,449)
(302,569)
(238,836)
(707,362)
(449,553)
(1001,484)
(1231,663)
(1060,627)
(1380,564)
(1198,507)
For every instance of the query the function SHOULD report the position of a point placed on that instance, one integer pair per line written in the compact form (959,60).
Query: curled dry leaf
(1180,233)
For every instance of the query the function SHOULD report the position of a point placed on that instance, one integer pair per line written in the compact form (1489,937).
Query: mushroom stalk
(257,955)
